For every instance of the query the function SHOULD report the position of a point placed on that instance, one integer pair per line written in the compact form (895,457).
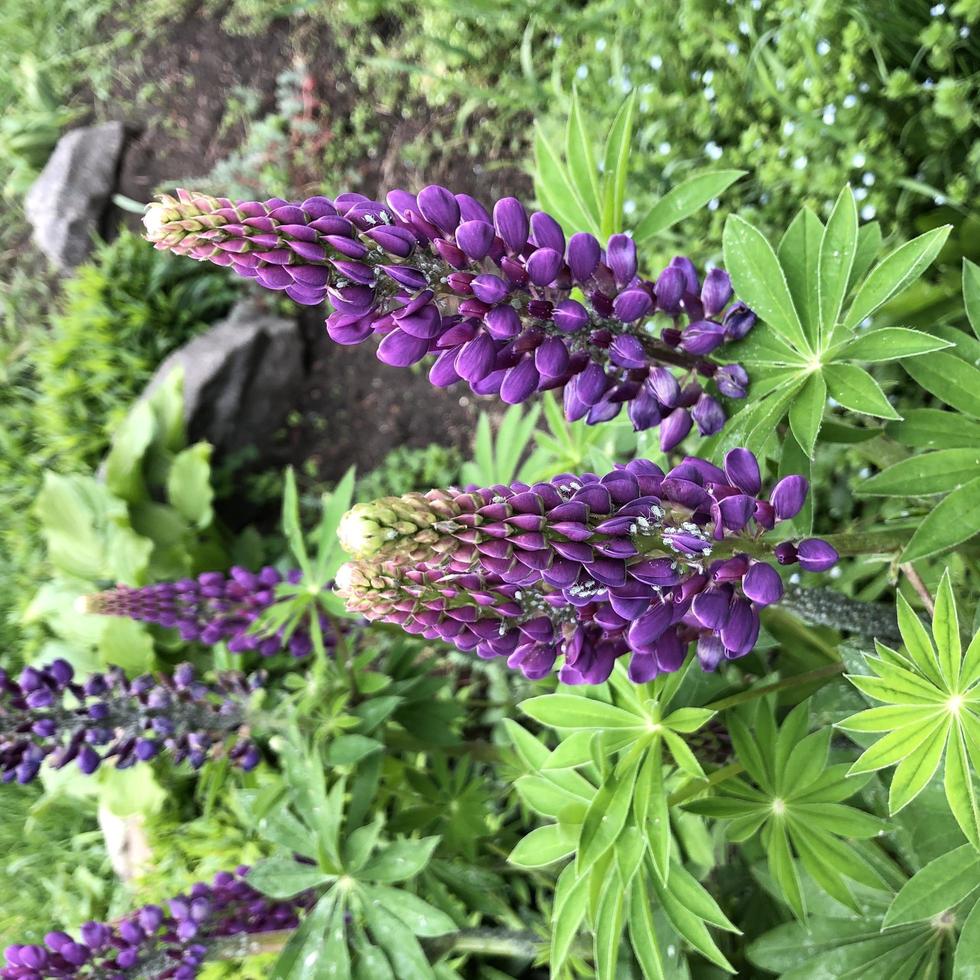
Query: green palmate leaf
(897,745)
(304,951)
(399,861)
(949,378)
(643,933)
(580,160)
(838,247)
(855,389)
(960,794)
(682,201)
(629,851)
(334,964)
(966,961)
(335,505)
(555,190)
(609,929)
(571,900)
(284,877)
(889,717)
(421,917)
(971,294)
(617,155)
(954,519)
(894,273)
(946,632)
(799,254)
(755,426)
(606,817)
(544,846)
(372,964)
(657,823)
(408,961)
(189,484)
(916,769)
(931,473)
(124,463)
(291,523)
(783,869)
(688,923)
(940,885)
(759,280)
(932,428)
(806,412)
(890,344)
(869,244)
(569,711)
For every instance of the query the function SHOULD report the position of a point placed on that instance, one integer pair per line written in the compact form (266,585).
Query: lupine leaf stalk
(494,297)
(158,942)
(588,568)
(211,608)
(49,717)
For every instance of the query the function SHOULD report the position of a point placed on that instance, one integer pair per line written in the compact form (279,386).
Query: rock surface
(241,378)
(66,202)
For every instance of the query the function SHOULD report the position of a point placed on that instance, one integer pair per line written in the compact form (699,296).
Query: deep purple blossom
(49,716)
(211,608)
(589,568)
(437,275)
(160,942)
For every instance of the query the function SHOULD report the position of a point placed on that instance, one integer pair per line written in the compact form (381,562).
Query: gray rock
(240,378)
(66,202)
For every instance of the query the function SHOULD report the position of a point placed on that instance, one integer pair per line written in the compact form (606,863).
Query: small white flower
(937,10)
(600,44)
(860,193)
(708,77)
(664,148)
(868,179)
(732,48)
(656,62)
(629,207)
(713,204)
(823,47)
(743,26)
(582,71)
(709,93)
(713,150)
(858,160)
(800,163)
(868,212)
(789,127)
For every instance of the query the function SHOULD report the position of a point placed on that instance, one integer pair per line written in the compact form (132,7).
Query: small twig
(920,587)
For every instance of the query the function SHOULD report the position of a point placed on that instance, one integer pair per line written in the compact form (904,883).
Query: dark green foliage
(121,314)
(405,469)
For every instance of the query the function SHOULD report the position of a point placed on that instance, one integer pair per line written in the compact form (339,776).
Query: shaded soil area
(354,409)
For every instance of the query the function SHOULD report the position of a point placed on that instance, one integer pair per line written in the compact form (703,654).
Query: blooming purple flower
(153,942)
(435,275)
(108,716)
(211,608)
(586,568)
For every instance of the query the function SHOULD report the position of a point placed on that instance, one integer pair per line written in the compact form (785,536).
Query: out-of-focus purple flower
(431,274)
(155,943)
(573,567)
(107,716)
(213,608)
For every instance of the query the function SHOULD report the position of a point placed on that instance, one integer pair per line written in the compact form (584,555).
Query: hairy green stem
(482,942)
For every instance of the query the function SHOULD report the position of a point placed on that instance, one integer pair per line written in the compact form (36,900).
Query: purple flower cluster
(211,608)
(488,294)
(589,568)
(157,942)
(48,716)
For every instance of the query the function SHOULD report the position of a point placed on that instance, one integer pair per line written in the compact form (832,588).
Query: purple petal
(621,257)
(742,469)
(475,238)
(400,349)
(546,232)
(583,255)
(815,555)
(674,428)
(789,496)
(510,220)
(439,206)
(716,291)
(543,266)
(762,584)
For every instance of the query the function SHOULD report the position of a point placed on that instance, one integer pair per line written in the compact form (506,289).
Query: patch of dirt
(355,409)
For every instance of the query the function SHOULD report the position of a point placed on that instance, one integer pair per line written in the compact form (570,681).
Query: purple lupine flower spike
(107,717)
(153,942)
(434,273)
(212,608)
(584,568)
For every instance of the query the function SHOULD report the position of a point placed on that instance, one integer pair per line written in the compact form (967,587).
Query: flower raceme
(209,609)
(47,716)
(590,568)
(158,942)
(490,295)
